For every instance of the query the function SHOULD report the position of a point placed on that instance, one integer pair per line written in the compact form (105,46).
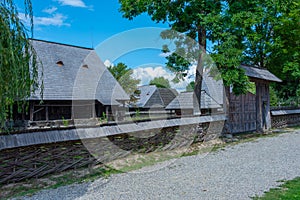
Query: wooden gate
(242,113)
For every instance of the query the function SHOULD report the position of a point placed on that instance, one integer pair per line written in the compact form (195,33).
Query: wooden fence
(35,154)
(283,117)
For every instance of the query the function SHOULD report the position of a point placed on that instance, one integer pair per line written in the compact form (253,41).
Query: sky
(98,24)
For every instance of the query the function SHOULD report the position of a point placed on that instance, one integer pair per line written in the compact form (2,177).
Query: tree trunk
(199,70)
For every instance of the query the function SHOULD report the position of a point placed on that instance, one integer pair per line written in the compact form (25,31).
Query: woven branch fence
(20,161)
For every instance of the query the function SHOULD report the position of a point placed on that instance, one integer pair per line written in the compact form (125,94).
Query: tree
(18,62)
(160,82)
(123,75)
(199,20)
(190,87)
(188,17)
(269,35)
(263,33)
(285,60)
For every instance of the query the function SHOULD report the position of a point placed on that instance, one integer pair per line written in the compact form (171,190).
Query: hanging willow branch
(18,61)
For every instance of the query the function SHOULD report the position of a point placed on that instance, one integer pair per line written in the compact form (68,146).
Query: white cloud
(164,55)
(148,73)
(107,63)
(54,20)
(50,10)
(74,3)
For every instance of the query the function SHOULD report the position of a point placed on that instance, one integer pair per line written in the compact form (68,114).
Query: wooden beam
(259,122)
(47,113)
(31,110)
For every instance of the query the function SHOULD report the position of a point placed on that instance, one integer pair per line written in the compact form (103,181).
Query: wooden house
(251,112)
(183,104)
(153,98)
(76,84)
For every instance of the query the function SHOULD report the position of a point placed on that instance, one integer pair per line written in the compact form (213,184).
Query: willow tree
(18,62)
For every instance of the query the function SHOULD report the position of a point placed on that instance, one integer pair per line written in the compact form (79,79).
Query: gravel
(235,172)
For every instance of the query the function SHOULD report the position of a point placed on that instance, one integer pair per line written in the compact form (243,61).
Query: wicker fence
(285,116)
(33,155)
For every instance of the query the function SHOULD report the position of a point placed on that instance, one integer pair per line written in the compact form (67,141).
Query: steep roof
(214,88)
(185,101)
(153,97)
(75,73)
(260,73)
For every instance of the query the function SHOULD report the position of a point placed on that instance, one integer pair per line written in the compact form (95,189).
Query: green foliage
(65,121)
(190,87)
(290,190)
(123,75)
(273,97)
(268,33)
(160,82)
(252,88)
(199,20)
(285,59)
(104,118)
(18,62)
(262,33)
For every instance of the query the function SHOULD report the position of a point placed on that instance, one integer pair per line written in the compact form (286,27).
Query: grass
(53,181)
(290,190)
(133,162)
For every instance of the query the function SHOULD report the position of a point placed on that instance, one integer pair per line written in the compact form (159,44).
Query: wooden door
(242,113)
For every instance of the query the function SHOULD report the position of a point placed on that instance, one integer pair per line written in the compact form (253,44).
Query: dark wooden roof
(75,73)
(153,97)
(185,101)
(259,73)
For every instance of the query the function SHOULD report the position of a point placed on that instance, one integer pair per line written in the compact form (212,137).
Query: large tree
(160,82)
(198,20)
(123,74)
(18,63)
(269,34)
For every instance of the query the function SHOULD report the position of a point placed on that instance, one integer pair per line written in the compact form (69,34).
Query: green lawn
(290,190)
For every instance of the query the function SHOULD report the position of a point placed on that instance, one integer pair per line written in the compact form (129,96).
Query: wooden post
(93,110)
(106,111)
(47,113)
(31,110)
(259,127)
(268,120)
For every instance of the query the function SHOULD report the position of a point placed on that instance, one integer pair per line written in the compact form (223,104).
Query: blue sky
(99,24)
(84,23)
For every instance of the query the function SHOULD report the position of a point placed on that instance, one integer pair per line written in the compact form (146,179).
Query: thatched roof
(75,73)
(260,73)
(185,101)
(153,97)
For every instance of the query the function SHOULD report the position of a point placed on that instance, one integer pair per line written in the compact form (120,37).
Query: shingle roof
(153,97)
(260,73)
(83,75)
(214,88)
(167,95)
(185,101)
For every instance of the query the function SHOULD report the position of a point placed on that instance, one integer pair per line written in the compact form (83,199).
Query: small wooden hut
(251,112)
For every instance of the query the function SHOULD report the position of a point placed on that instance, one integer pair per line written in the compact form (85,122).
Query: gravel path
(238,172)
